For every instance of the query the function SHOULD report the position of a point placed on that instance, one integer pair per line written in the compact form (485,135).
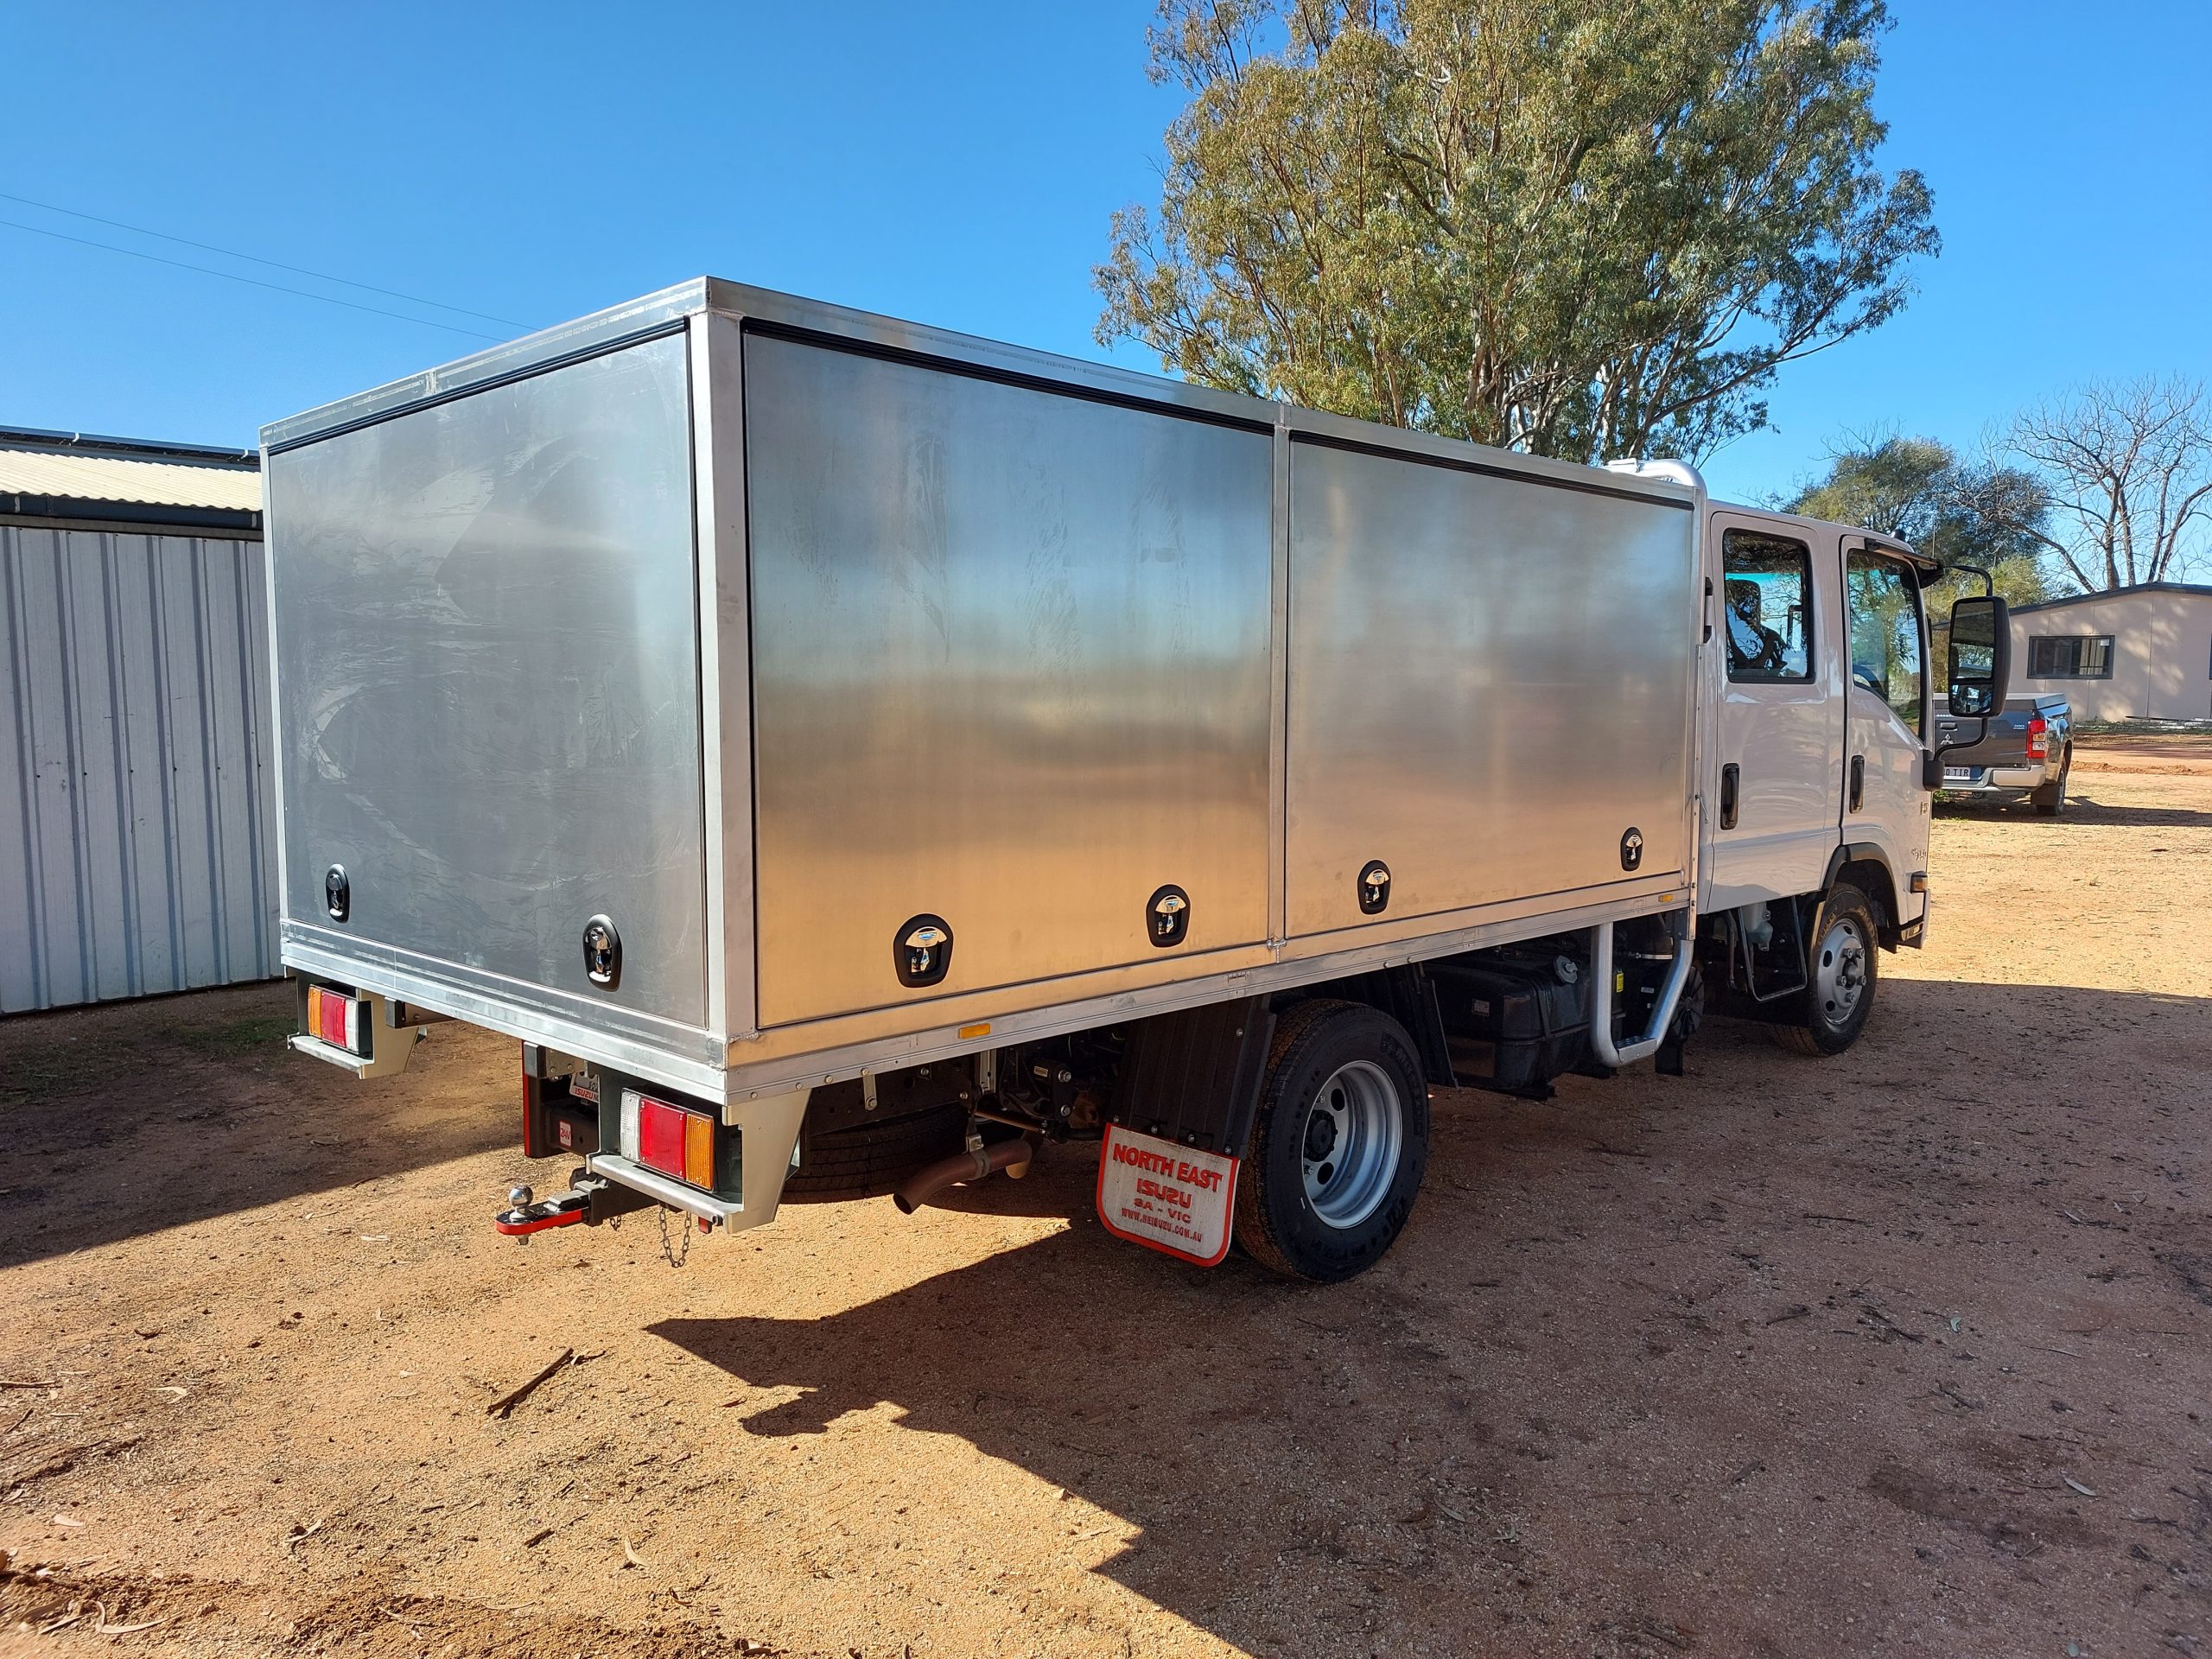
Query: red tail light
(2038,738)
(677,1142)
(335,1019)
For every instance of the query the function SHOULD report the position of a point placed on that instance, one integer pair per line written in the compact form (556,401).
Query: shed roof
(2198,588)
(78,476)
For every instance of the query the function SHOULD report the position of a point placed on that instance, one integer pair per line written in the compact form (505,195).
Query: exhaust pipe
(924,1185)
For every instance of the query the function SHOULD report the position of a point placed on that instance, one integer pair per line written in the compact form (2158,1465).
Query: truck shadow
(1239,1426)
(130,1117)
(1416,1454)
(2082,808)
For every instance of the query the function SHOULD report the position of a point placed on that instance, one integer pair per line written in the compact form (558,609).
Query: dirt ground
(1904,1351)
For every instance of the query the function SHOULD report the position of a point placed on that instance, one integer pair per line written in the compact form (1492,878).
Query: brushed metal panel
(486,638)
(1490,679)
(1011,667)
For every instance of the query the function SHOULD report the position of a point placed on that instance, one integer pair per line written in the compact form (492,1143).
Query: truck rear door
(1781,725)
(484,618)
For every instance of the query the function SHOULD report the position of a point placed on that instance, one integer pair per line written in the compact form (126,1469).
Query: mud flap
(1174,1199)
(1192,1078)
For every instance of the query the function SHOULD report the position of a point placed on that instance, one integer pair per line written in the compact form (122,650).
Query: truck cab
(1823,700)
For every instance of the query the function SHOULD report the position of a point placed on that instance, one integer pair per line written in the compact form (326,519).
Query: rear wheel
(1339,1146)
(1832,1010)
(2051,799)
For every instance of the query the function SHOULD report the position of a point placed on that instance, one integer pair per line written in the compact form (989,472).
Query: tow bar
(590,1199)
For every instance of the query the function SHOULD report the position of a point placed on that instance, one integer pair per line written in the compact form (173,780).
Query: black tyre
(864,1159)
(1339,1144)
(1829,1015)
(2051,799)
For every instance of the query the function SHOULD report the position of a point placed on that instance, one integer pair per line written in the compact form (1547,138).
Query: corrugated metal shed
(139,857)
(141,483)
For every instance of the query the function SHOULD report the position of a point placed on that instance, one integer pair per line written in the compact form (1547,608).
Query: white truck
(847,756)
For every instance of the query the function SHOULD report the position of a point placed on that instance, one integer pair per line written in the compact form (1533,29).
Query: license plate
(1172,1198)
(1958,774)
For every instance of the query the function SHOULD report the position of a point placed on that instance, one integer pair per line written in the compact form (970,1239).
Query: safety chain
(670,1253)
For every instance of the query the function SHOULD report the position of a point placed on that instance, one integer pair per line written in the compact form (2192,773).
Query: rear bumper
(1991,779)
(768,1130)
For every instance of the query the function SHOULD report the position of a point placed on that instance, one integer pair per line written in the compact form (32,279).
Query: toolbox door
(484,625)
(1010,653)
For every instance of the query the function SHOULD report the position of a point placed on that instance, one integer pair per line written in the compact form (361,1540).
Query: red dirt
(1905,1351)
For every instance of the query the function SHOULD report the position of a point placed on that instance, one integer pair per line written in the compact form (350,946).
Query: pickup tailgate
(2007,745)
(487,687)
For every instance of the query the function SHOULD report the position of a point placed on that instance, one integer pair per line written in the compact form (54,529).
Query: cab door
(1884,802)
(1780,731)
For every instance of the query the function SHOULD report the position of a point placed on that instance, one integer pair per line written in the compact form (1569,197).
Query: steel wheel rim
(1349,1142)
(1840,976)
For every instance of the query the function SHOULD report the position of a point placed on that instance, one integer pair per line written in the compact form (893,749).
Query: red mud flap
(1171,1199)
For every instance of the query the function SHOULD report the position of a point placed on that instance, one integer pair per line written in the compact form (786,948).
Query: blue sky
(954,165)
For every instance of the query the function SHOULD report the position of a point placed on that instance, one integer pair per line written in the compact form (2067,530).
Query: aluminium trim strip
(446,393)
(678,1056)
(972,369)
(1384,451)
(585,336)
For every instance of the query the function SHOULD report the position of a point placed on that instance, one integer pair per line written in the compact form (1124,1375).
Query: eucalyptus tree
(1963,512)
(1581,228)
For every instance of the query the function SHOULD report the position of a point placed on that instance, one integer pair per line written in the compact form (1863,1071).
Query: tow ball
(525,1214)
(590,1199)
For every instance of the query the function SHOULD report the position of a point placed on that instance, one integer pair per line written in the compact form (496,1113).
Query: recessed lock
(921,950)
(1168,916)
(337,892)
(1631,848)
(1373,888)
(602,953)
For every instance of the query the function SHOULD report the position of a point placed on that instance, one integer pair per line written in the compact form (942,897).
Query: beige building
(2144,651)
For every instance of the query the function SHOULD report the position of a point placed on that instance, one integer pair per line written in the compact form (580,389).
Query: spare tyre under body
(847,1150)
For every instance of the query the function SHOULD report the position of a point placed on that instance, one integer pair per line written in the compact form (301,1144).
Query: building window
(2084,657)
(1768,607)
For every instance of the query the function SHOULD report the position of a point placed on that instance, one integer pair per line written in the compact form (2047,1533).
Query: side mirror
(1980,665)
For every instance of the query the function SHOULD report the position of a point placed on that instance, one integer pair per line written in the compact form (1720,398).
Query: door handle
(1731,782)
(1858,780)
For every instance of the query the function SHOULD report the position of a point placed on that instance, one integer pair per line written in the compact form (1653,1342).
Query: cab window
(1884,598)
(1768,606)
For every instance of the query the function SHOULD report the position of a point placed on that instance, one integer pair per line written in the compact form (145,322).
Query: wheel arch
(1866,866)
(1407,995)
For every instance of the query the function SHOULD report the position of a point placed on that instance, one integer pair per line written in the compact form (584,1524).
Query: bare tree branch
(2129,469)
